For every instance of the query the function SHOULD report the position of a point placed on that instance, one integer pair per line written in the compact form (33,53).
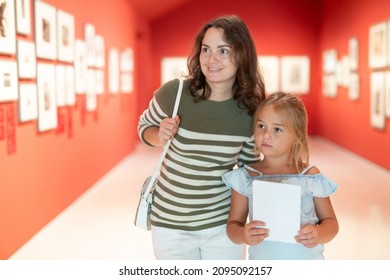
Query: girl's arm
(327,228)
(237,229)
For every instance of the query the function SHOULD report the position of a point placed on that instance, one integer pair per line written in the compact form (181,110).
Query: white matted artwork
(89,37)
(7,27)
(70,94)
(80,66)
(377,100)
(45,30)
(27,68)
(329,85)
(23,17)
(60,85)
(343,71)
(8,81)
(91,97)
(269,67)
(295,74)
(329,61)
(47,107)
(377,45)
(99,81)
(353,53)
(354,86)
(113,70)
(28,102)
(100,60)
(173,68)
(127,60)
(127,83)
(65,36)
(387,94)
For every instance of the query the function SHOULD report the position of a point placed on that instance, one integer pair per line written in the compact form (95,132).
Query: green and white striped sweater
(212,138)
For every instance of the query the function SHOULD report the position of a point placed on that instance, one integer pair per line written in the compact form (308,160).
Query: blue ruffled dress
(316,185)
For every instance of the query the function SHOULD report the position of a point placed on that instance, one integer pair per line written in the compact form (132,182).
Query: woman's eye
(224,51)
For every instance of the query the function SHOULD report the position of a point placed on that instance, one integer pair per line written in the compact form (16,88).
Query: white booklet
(279,206)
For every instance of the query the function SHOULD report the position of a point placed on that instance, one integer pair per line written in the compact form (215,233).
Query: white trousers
(208,244)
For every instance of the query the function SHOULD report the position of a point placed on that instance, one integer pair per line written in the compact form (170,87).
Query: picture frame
(173,68)
(99,51)
(127,82)
(387,94)
(27,68)
(65,36)
(329,85)
(7,27)
(46,88)
(127,60)
(353,54)
(113,71)
(377,46)
(23,17)
(28,102)
(80,66)
(295,74)
(269,67)
(70,93)
(99,81)
(354,86)
(60,85)
(45,31)
(91,97)
(8,81)
(377,98)
(89,37)
(329,61)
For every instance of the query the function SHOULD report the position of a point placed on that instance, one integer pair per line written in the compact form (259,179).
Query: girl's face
(271,135)
(216,58)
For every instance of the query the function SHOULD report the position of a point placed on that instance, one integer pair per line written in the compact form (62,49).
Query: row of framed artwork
(286,73)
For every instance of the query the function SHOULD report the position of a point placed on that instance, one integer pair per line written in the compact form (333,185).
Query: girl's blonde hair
(294,116)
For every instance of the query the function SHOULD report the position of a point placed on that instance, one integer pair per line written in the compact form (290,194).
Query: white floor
(99,225)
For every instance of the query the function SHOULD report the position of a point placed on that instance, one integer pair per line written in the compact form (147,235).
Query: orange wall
(49,170)
(343,121)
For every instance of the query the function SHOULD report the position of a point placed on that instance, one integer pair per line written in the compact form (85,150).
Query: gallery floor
(99,225)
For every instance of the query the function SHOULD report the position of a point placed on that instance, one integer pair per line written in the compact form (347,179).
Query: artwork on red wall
(66,36)
(8,81)
(45,30)
(28,102)
(295,74)
(7,27)
(47,107)
(26,59)
(269,67)
(378,45)
(377,100)
(23,18)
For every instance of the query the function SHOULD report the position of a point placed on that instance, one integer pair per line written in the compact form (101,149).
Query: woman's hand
(168,129)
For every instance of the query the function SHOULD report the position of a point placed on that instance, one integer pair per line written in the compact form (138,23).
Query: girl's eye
(261,126)
(278,130)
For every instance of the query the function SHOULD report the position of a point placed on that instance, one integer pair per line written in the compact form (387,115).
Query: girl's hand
(255,233)
(308,236)
(168,129)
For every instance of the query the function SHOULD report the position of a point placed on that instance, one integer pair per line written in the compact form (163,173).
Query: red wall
(341,120)
(48,171)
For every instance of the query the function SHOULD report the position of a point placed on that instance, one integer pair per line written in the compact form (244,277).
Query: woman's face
(217,60)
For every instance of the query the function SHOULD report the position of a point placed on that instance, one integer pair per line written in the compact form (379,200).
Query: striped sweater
(212,138)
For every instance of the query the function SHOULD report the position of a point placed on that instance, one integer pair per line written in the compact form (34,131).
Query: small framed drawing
(387,94)
(89,37)
(70,94)
(269,67)
(353,54)
(127,60)
(91,97)
(377,99)
(8,81)
(329,61)
(113,71)
(295,74)
(354,86)
(45,30)
(329,85)
(7,27)
(80,66)
(99,51)
(173,68)
(99,81)
(27,67)
(60,85)
(23,17)
(28,102)
(66,36)
(47,107)
(377,45)
(127,84)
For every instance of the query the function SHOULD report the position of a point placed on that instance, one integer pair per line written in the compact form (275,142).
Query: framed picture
(66,36)
(89,37)
(377,45)
(99,51)
(7,27)
(99,81)
(45,30)
(113,71)
(295,74)
(127,60)
(80,66)
(387,94)
(127,82)
(329,61)
(173,68)
(70,94)
(377,99)
(28,102)
(23,17)
(269,67)
(343,71)
(91,97)
(26,58)
(354,86)
(353,54)
(60,85)
(329,85)
(47,107)
(8,81)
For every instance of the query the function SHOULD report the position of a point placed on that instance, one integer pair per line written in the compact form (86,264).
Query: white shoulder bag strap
(166,147)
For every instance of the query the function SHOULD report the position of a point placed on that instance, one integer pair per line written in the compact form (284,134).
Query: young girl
(280,130)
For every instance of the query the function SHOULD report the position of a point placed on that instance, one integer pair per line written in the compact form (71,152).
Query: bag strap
(166,147)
